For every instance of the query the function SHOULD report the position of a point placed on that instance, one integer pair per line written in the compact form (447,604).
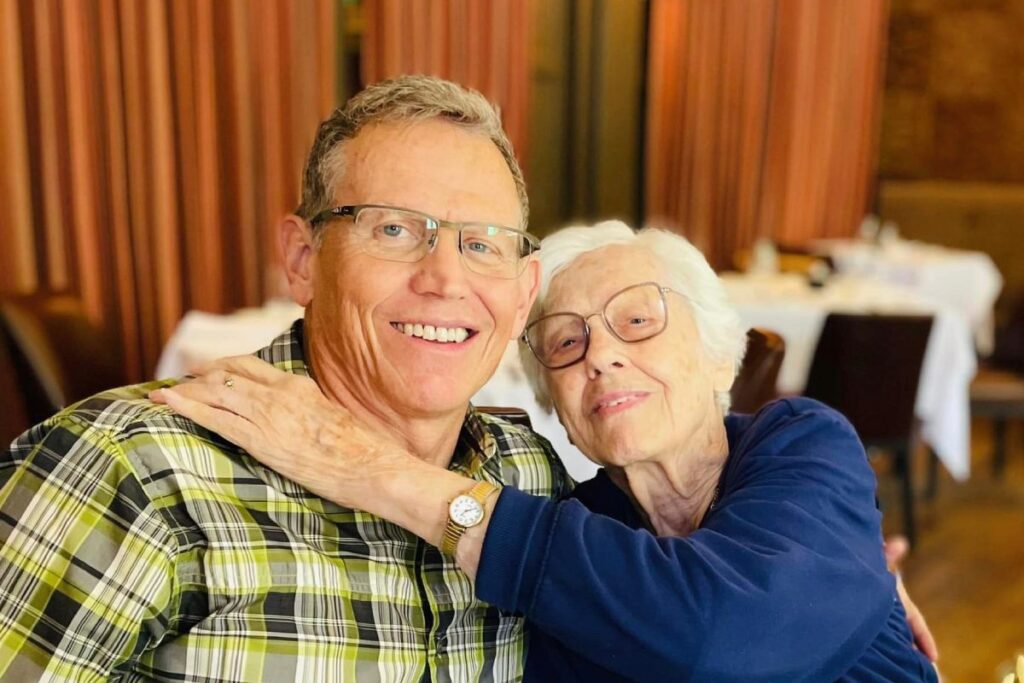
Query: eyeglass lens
(634,314)
(406,236)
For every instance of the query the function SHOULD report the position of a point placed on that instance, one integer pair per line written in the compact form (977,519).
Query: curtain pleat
(150,147)
(481,44)
(762,118)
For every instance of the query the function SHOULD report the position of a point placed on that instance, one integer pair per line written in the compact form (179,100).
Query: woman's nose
(605,352)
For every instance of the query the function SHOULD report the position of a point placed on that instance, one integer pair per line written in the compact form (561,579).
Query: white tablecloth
(967,281)
(786,304)
(202,337)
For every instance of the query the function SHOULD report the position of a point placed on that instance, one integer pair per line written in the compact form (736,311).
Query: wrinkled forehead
(586,284)
(433,166)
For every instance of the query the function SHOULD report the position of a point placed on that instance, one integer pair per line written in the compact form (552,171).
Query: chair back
(759,373)
(13,418)
(868,368)
(516,416)
(1009,347)
(58,355)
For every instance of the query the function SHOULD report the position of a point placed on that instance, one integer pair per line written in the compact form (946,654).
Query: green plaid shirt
(135,545)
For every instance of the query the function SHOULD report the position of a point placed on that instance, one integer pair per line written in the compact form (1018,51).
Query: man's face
(362,304)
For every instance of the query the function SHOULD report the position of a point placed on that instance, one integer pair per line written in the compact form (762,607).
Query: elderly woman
(710,547)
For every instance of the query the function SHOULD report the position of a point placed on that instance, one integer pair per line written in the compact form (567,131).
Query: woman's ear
(723,375)
(298,253)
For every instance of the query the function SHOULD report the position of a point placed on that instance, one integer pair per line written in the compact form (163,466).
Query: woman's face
(633,402)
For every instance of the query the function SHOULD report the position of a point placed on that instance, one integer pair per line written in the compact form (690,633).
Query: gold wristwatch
(464,512)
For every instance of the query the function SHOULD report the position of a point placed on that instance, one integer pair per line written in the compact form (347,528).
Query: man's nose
(605,352)
(441,271)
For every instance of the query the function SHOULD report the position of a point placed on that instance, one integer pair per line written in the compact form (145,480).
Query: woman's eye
(637,320)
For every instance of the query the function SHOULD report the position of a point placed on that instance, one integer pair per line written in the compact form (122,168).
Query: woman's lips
(617,402)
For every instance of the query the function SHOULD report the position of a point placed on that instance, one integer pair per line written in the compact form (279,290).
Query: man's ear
(298,253)
(529,287)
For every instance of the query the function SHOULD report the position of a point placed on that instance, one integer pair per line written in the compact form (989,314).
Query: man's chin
(431,397)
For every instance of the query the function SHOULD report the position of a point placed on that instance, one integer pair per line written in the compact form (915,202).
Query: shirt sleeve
(786,580)
(85,561)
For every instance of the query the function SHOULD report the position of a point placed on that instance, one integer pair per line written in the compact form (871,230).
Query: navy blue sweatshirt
(785,580)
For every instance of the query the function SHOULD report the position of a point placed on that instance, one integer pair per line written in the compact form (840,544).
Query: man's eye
(637,321)
(480,247)
(392,230)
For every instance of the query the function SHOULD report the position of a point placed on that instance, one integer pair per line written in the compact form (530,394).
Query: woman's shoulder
(796,433)
(785,420)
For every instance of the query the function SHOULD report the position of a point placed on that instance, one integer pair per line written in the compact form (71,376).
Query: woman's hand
(286,422)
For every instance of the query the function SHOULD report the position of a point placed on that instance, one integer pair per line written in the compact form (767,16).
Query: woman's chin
(618,455)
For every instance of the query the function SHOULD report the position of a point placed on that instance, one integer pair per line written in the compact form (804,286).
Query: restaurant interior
(853,169)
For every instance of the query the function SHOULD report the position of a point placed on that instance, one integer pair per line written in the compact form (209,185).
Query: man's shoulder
(119,414)
(119,428)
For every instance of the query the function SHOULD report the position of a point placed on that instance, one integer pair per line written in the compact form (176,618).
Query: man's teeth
(443,335)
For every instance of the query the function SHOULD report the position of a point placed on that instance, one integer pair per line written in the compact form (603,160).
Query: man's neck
(430,438)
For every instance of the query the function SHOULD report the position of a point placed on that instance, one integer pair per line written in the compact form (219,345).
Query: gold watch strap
(453,531)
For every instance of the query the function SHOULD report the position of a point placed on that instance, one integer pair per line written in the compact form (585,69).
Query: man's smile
(435,332)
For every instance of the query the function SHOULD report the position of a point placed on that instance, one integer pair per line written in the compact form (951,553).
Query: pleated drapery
(481,44)
(150,149)
(762,118)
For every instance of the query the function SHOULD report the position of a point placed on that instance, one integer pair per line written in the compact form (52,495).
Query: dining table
(962,279)
(791,305)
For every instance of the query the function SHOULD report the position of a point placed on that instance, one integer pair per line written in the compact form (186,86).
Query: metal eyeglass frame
(433,224)
(662,291)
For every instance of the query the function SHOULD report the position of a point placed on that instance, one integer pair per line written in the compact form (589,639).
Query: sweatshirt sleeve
(785,581)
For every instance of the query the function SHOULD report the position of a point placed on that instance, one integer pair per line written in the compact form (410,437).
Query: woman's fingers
(231,426)
(896,549)
(247,366)
(923,637)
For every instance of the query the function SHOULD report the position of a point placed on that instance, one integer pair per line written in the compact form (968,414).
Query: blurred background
(852,157)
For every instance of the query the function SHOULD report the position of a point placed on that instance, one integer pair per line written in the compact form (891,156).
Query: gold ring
(229,382)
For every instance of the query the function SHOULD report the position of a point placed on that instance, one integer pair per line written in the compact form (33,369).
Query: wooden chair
(756,381)
(868,368)
(58,355)
(997,392)
(13,418)
(516,416)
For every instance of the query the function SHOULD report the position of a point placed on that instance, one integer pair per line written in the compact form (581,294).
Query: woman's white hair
(685,270)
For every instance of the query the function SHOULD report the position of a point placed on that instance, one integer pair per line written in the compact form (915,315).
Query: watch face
(465,511)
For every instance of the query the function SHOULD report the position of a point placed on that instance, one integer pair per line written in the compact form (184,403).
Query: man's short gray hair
(686,271)
(403,99)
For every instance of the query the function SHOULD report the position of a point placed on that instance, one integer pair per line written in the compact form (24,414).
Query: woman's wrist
(414,495)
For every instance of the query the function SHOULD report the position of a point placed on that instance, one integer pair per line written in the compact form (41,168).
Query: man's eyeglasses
(633,314)
(406,236)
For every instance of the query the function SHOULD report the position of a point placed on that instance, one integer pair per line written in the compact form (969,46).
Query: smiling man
(136,545)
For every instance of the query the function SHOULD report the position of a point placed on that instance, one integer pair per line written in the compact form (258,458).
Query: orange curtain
(481,44)
(762,118)
(149,149)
